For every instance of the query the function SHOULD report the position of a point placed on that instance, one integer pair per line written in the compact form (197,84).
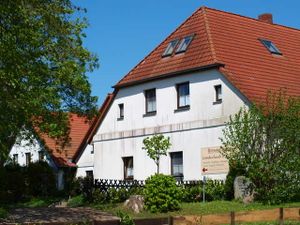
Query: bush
(12,183)
(40,179)
(214,190)
(3,213)
(125,219)
(76,201)
(192,193)
(162,194)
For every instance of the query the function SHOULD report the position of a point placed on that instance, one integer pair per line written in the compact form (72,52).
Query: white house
(213,64)
(60,158)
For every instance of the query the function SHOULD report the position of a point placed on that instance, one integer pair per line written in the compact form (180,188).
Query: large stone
(135,203)
(243,189)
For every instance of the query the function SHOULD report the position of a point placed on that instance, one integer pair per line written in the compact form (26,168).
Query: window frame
(125,166)
(265,43)
(217,97)
(41,153)
(27,158)
(165,53)
(172,154)
(147,112)
(181,43)
(178,96)
(121,111)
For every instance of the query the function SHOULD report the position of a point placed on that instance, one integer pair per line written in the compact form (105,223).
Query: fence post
(170,220)
(281,216)
(232,218)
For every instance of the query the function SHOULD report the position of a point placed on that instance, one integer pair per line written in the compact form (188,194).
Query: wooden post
(170,220)
(281,216)
(232,216)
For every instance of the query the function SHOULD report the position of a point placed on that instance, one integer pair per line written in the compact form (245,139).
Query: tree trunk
(157,166)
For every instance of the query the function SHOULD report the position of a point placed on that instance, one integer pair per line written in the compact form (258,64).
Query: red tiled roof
(231,43)
(63,156)
(95,124)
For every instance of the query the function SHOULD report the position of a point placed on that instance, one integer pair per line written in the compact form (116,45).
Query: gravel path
(48,215)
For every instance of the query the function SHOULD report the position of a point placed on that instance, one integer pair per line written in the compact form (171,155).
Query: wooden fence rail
(280,215)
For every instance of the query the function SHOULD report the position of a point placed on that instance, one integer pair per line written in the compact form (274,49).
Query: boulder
(243,189)
(135,203)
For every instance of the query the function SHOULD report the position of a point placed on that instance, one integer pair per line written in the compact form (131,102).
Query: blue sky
(123,32)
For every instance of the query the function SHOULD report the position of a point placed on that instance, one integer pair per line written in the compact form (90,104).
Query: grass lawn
(196,208)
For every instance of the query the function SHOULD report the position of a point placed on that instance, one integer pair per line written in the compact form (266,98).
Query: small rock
(135,203)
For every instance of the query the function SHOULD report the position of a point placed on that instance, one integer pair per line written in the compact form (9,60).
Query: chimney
(266,17)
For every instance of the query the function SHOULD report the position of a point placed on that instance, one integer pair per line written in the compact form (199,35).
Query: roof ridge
(178,27)
(209,36)
(251,18)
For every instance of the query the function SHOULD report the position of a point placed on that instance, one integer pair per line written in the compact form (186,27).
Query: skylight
(270,46)
(171,46)
(184,44)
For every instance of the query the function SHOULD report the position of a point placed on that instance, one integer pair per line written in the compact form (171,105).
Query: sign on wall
(213,161)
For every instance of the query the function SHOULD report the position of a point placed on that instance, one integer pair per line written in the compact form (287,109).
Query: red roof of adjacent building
(230,43)
(63,155)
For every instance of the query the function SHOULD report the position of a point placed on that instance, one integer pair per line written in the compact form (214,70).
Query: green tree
(43,67)
(156,146)
(264,141)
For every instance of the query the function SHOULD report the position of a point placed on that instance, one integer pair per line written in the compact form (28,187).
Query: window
(89,173)
(41,155)
(183,95)
(184,44)
(150,96)
(15,158)
(128,168)
(271,47)
(28,158)
(177,165)
(218,93)
(121,111)
(170,48)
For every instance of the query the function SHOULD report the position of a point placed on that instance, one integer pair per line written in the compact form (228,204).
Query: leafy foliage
(43,69)
(76,201)
(162,194)
(40,179)
(20,183)
(264,141)
(125,219)
(156,146)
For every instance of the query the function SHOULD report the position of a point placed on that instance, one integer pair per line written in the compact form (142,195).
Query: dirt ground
(43,215)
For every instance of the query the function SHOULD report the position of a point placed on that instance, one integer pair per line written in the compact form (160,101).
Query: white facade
(23,147)
(189,131)
(85,162)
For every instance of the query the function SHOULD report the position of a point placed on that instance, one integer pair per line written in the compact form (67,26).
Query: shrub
(214,190)
(125,219)
(162,194)
(40,179)
(12,183)
(3,213)
(76,201)
(192,193)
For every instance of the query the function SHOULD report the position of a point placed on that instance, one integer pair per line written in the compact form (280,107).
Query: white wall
(24,146)
(85,161)
(191,130)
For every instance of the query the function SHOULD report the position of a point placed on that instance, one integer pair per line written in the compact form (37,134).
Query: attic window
(271,47)
(170,48)
(184,44)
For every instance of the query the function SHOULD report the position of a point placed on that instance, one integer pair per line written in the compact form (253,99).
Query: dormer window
(270,46)
(170,48)
(184,44)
